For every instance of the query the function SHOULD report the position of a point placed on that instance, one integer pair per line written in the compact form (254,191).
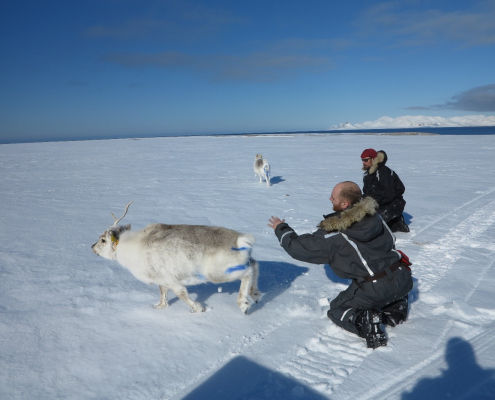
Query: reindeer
(176,256)
(262,169)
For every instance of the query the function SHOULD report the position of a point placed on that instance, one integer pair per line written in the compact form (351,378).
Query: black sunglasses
(365,159)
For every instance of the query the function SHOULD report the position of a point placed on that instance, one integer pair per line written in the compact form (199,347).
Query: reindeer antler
(118,220)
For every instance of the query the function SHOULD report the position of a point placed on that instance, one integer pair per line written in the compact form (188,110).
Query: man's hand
(274,222)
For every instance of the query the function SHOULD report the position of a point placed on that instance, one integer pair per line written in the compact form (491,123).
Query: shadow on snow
(275,278)
(407,217)
(276,179)
(242,378)
(463,379)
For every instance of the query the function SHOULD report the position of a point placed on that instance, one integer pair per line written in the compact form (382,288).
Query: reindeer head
(107,244)
(258,156)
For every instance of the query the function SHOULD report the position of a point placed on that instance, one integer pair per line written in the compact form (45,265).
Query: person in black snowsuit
(358,245)
(385,186)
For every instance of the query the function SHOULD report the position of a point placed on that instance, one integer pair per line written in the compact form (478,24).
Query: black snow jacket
(381,183)
(355,242)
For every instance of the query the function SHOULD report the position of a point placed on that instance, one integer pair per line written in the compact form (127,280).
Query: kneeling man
(385,186)
(358,245)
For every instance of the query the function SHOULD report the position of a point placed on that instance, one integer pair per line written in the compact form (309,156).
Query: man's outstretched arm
(307,248)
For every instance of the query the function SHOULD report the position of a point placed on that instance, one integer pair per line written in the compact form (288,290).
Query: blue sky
(102,68)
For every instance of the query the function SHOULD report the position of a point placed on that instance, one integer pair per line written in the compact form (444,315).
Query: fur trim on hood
(344,219)
(381,158)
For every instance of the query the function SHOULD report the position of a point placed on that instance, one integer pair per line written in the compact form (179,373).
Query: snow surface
(77,326)
(417,121)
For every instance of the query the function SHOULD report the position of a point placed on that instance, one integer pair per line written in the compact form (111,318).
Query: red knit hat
(369,153)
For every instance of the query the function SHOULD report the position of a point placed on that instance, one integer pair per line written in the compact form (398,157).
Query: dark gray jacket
(355,242)
(382,183)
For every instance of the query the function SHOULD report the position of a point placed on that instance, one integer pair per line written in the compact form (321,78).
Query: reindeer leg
(254,292)
(242,298)
(163,303)
(182,294)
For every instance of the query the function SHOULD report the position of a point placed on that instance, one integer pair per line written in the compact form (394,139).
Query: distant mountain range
(418,121)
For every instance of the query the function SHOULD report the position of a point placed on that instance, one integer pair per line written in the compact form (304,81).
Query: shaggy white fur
(176,256)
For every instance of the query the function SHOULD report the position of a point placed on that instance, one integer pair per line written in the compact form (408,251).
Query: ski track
(398,382)
(327,360)
(401,380)
(442,217)
(436,259)
(449,248)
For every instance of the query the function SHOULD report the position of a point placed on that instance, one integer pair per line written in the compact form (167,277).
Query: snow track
(327,360)
(472,202)
(399,383)
(437,258)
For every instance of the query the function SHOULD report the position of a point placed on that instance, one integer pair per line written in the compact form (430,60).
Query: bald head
(344,195)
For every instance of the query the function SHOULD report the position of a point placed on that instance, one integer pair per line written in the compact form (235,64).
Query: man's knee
(340,313)
(344,319)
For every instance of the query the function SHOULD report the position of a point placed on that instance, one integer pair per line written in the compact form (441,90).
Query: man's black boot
(401,225)
(398,224)
(368,324)
(395,313)
(392,318)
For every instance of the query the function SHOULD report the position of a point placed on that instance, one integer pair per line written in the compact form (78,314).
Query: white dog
(262,169)
(176,256)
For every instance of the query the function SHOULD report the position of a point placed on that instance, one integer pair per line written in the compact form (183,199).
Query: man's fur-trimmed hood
(342,220)
(380,159)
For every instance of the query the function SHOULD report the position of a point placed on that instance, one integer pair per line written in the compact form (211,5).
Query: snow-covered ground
(419,121)
(77,326)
